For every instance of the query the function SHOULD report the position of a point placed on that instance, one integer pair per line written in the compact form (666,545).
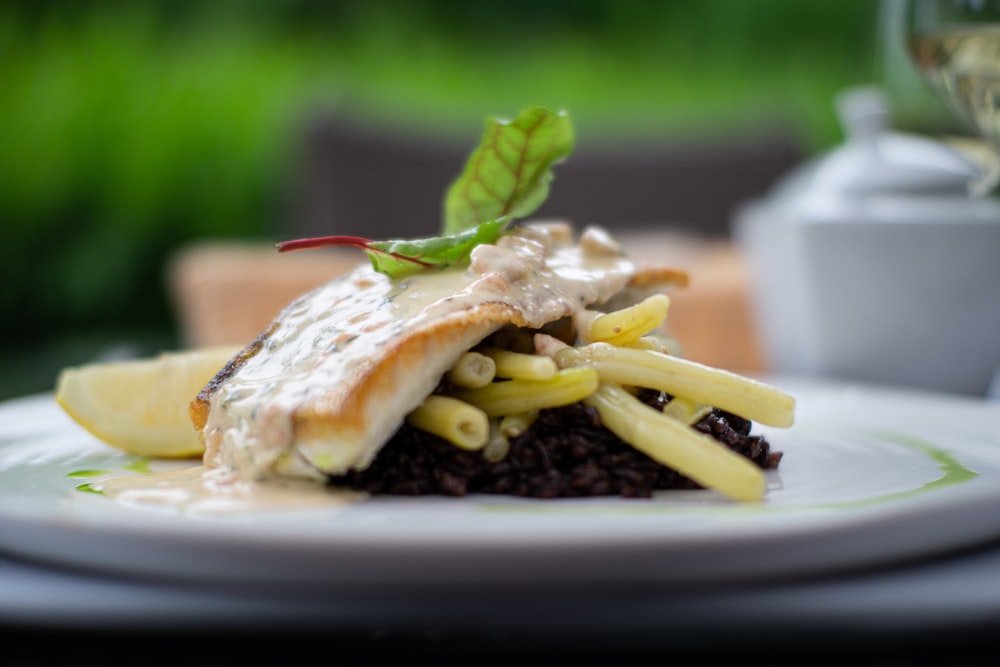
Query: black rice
(565,453)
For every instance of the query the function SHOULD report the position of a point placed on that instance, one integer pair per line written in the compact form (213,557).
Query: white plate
(869,477)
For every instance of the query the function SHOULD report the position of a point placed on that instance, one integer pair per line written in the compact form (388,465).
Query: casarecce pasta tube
(520,365)
(456,421)
(677,445)
(647,343)
(497,445)
(728,391)
(627,325)
(686,410)
(472,370)
(518,396)
(514,425)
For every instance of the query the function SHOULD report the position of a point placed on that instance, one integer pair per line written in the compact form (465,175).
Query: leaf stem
(322,241)
(368,245)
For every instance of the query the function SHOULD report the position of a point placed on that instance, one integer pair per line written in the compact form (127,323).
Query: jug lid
(878,169)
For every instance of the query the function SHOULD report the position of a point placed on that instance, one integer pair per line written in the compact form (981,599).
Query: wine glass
(955,46)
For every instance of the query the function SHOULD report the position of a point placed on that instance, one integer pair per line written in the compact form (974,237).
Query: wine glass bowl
(955,47)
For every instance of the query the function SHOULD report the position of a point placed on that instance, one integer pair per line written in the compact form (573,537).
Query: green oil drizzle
(87,473)
(140,465)
(952,472)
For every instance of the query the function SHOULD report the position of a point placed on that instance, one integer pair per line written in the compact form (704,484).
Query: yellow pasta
(627,325)
(686,410)
(516,424)
(518,396)
(520,365)
(497,446)
(456,421)
(728,391)
(646,343)
(472,370)
(677,445)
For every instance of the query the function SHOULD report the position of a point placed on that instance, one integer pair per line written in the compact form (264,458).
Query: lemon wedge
(141,406)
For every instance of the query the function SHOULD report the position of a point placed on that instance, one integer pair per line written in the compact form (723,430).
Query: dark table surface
(942,611)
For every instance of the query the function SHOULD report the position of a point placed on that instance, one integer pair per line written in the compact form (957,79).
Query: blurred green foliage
(130,128)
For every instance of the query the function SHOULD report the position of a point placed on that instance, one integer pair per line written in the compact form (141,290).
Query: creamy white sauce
(320,347)
(203,490)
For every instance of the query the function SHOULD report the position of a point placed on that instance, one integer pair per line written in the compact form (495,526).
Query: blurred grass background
(130,128)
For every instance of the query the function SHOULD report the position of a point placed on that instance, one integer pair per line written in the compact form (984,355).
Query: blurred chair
(388,184)
(666,205)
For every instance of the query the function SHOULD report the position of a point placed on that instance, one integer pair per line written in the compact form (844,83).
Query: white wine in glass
(955,46)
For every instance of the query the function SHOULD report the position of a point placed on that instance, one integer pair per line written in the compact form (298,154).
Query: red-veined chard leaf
(508,175)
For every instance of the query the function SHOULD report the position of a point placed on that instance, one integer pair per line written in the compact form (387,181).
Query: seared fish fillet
(335,374)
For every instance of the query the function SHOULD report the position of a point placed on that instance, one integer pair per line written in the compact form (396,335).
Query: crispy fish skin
(199,407)
(328,382)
